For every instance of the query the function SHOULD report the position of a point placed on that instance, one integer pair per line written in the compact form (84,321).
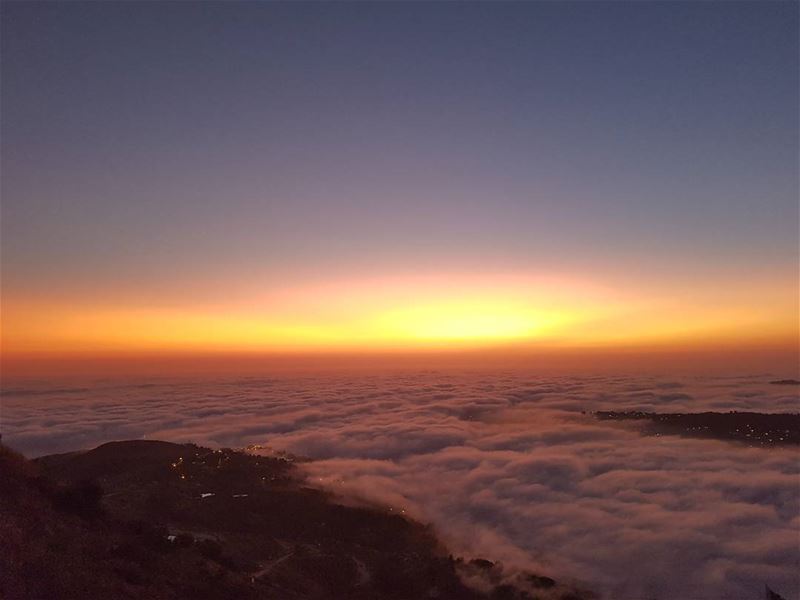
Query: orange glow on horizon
(409,313)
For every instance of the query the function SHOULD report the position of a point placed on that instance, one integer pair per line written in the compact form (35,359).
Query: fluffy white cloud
(505,465)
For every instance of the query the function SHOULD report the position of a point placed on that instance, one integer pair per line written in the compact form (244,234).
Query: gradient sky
(271,176)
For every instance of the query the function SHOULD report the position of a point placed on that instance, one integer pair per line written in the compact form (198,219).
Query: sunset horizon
(434,313)
(335,213)
(335,300)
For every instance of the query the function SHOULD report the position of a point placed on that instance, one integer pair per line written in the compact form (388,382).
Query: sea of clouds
(505,465)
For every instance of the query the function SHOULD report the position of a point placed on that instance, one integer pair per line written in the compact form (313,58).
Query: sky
(200,178)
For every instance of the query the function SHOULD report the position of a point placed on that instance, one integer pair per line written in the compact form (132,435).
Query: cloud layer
(505,465)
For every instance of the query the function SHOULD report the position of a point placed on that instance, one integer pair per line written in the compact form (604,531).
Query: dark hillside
(763,430)
(147,519)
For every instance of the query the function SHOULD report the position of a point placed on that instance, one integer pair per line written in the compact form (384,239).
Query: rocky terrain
(148,519)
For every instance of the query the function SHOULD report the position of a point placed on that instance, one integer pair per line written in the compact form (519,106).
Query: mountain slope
(146,519)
